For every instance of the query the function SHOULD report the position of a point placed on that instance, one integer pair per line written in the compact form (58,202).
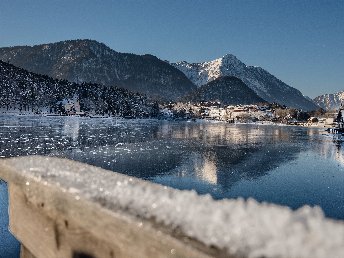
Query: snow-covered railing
(62,208)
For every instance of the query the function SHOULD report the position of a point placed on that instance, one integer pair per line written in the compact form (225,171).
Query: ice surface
(241,228)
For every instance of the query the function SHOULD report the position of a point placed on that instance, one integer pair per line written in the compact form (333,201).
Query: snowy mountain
(330,101)
(91,61)
(259,80)
(29,92)
(228,90)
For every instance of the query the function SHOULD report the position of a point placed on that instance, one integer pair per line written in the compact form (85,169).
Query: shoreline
(317,126)
(305,125)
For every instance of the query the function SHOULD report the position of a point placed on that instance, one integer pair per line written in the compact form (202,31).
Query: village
(271,113)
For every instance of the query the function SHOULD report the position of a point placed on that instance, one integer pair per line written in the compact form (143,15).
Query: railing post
(25,253)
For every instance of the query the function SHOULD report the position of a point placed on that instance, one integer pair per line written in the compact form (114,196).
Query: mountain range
(90,61)
(264,84)
(29,92)
(330,101)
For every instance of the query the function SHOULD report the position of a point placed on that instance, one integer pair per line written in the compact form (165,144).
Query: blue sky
(300,42)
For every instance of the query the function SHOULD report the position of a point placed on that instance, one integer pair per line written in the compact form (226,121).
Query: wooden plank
(44,237)
(58,234)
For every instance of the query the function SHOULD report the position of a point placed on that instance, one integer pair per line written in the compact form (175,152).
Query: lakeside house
(71,106)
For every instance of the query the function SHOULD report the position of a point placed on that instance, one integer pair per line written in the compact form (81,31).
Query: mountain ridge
(330,101)
(91,61)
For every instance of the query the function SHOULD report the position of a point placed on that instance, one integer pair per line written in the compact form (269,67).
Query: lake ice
(291,166)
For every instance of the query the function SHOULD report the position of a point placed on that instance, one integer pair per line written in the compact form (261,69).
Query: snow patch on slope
(202,73)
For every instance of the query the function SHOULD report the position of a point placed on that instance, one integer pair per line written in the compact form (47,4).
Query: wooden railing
(62,208)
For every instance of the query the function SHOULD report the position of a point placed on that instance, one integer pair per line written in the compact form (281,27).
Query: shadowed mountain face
(26,91)
(91,61)
(228,90)
(264,84)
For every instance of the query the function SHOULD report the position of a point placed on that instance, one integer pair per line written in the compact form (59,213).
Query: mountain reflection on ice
(71,128)
(270,163)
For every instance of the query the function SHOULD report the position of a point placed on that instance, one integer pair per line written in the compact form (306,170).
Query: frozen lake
(291,166)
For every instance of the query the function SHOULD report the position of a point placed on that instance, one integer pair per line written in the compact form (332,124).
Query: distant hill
(26,91)
(264,84)
(90,61)
(228,90)
(330,101)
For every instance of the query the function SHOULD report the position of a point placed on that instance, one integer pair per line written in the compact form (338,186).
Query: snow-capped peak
(202,73)
(230,59)
(262,82)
